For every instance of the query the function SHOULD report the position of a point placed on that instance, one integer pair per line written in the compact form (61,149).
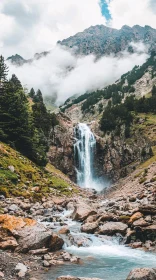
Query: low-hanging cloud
(63,74)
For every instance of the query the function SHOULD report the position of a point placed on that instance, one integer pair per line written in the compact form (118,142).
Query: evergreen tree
(38,96)
(3,71)
(15,83)
(32,93)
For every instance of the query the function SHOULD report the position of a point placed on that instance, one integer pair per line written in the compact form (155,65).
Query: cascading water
(84,149)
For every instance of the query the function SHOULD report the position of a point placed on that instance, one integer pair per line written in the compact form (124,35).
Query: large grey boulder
(82,211)
(142,274)
(89,227)
(111,228)
(33,237)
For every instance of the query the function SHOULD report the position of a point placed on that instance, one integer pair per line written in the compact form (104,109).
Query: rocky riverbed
(36,237)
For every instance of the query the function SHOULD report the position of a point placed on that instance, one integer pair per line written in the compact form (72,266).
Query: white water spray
(84,149)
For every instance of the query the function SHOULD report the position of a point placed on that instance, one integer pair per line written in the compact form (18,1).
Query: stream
(101,256)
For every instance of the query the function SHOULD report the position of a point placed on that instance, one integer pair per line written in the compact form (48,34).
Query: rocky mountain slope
(116,154)
(100,39)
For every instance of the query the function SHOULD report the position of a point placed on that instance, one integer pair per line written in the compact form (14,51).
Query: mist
(63,74)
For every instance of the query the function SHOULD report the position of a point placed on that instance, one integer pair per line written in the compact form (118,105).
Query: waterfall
(84,149)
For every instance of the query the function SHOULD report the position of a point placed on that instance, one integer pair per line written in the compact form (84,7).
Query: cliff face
(61,150)
(116,156)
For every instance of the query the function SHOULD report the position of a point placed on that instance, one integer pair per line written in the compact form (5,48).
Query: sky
(34,26)
(31,26)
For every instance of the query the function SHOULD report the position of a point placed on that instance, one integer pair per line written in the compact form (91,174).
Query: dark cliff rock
(61,149)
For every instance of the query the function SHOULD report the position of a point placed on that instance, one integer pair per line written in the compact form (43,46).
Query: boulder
(82,211)
(110,228)
(13,223)
(64,230)
(135,217)
(148,209)
(56,243)
(149,233)
(33,237)
(89,227)
(141,222)
(142,274)
(9,243)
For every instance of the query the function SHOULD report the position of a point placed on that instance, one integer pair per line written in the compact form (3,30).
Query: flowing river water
(102,256)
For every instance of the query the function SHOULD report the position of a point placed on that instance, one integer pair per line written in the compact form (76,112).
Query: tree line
(24,125)
(123,114)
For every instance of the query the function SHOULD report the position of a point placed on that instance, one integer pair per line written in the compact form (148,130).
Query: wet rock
(64,230)
(79,241)
(136,245)
(74,260)
(111,228)
(135,217)
(89,227)
(142,274)
(82,211)
(21,270)
(130,236)
(56,243)
(66,256)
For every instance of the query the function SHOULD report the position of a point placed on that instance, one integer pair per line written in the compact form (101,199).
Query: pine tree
(3,70)
(15,83)
(38,96)
(32,93)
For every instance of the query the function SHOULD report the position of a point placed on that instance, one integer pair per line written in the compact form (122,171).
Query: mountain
(123,118)
(19,60)
(100,39)
(16,60)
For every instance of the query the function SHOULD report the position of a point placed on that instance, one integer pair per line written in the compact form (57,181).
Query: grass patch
(27,175)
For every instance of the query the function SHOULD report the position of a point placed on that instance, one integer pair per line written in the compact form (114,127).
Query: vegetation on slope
(24,127)
(21,177)
(117,91)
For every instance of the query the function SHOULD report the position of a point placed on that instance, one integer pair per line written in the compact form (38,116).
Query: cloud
(38,25)
(63,74)
(131,12)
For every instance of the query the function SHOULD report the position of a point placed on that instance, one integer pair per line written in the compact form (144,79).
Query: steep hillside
(101,39)
(123,119)
(138,82)
(21,177)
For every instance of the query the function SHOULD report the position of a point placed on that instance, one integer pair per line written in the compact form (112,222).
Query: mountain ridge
(101,39)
